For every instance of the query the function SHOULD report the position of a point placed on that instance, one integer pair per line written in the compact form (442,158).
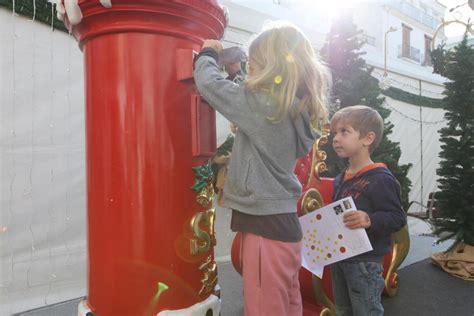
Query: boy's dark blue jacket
(377,192)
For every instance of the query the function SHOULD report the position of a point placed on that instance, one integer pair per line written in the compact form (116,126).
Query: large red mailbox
(150,242)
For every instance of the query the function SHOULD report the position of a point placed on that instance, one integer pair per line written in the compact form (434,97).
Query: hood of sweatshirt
(306,134)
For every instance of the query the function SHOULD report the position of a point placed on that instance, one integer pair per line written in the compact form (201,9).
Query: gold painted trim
(319,156)
(321,298)
(205,196)
(445,23)
(400,248)
(312,200)
(202,240)
(209,281)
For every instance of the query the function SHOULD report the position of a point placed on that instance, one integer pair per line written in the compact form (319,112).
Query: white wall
(408,132)
(42,191)
(407,129)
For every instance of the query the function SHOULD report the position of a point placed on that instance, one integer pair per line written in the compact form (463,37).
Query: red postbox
(149,240)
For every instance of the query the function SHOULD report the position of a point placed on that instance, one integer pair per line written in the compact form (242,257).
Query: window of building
(406,31)
(282,2)
(427,61)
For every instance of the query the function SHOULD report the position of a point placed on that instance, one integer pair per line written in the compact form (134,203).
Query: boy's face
(347,142)
(232,68)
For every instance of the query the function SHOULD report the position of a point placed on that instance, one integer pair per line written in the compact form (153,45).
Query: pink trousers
(270,272)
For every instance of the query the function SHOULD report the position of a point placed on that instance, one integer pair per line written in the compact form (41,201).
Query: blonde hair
(363,119)
(289,65)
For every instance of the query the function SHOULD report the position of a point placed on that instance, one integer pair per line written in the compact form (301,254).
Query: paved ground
(426,290)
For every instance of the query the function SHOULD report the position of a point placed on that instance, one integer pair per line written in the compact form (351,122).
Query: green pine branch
(456,186)
(44,12)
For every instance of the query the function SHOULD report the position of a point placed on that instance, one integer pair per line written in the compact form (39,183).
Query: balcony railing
(415,13)
(409,52)
(426,58)
(367,39)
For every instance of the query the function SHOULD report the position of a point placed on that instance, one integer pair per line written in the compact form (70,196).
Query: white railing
(415,13)
(426,60)
(367,39)
(409,52)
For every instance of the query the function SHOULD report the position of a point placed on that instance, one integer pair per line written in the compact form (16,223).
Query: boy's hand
(214,44)
(234,128)
(356,219)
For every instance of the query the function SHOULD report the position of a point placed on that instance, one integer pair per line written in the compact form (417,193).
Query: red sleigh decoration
(317,293)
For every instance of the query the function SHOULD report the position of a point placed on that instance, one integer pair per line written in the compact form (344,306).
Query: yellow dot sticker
(278,79)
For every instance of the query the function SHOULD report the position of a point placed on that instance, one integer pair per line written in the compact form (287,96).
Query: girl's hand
(214,44)
(73,11)
(357,219)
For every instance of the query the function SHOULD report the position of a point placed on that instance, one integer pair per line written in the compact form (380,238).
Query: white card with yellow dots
(327,240)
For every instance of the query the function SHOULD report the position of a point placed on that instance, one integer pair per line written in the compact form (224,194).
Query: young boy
(358,282)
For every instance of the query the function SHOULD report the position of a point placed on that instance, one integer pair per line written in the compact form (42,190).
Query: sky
(463,13)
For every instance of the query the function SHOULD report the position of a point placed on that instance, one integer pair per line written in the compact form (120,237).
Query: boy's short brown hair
(363,119)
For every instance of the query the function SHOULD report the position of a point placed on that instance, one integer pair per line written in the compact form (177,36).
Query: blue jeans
(357,288)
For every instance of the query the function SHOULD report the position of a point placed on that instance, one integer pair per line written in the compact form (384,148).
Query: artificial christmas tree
(456,196)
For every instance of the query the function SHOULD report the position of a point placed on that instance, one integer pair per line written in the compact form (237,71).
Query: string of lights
(5,228)
(52,274)
(68,153)
(406,97)
(386,104)
(29,191)
(399,83)
(35,224)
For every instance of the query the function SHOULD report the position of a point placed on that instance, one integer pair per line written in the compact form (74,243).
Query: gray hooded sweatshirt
(261,178)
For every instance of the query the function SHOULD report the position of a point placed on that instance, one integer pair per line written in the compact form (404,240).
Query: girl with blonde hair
(278,110)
